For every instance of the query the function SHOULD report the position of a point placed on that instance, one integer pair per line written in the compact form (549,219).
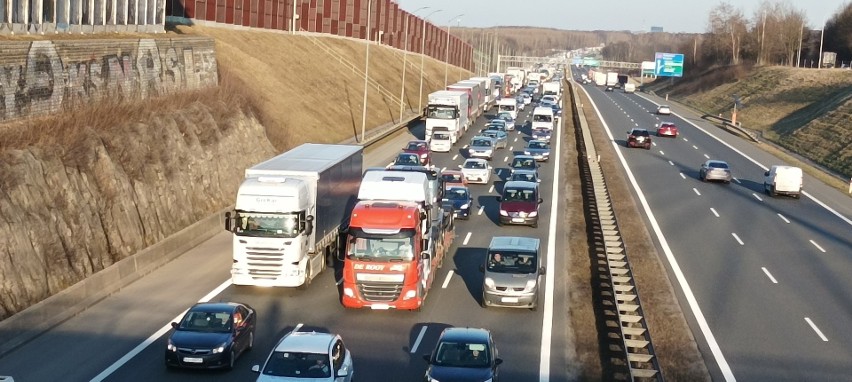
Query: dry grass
(675,346)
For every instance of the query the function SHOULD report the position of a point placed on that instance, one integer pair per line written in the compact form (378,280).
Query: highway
(123,337)
(762,281)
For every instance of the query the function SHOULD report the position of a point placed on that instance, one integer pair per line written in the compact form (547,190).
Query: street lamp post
(295,17)
(404,62)
(447,53)
(366,71)
(422,57)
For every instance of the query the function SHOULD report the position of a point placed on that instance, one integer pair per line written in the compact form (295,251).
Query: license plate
(518,220)
(192,360)
(509,299)
(380,306)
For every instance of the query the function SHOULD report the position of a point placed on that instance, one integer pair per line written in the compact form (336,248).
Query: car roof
(519,184)
(537,140)
(525,171)
(451,172)
(525,157)
(214,306)
(514,243)
(465,335)
(306,342)
(476,160)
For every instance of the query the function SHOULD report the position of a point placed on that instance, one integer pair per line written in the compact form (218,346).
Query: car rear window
(718,165)
(641,133)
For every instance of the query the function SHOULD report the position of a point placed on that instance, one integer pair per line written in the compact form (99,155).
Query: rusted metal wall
(338,17)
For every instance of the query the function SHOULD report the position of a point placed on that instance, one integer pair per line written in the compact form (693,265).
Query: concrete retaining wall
(43,77)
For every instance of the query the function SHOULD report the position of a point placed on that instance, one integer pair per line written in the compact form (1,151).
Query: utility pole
(366,71)
(422,56)
(762,37)
(821,35)
(799,54)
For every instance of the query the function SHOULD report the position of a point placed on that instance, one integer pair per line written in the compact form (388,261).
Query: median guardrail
(623,311)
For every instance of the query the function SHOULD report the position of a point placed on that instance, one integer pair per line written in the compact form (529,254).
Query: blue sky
(673,15)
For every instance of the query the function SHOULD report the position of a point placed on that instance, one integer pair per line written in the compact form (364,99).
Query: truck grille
(384,292)
(266,264)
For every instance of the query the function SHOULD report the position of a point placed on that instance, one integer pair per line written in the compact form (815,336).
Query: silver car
(715,170)
(307,356)
(476,170)
(512,272)
(481,147)
(664,110)
(506,117)
(525,176)
(543,134)
(538,149)
(501,139)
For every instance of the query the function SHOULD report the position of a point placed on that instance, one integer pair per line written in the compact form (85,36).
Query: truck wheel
(307,277)
(772,191)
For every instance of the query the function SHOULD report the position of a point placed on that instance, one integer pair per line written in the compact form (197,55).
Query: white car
(476,170)
(307,356)
(527,98)
(664,110)
(441,142)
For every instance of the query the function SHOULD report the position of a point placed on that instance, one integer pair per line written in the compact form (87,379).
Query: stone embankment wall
(44,77)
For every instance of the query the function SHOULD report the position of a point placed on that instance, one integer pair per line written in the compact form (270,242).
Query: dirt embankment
(85,189)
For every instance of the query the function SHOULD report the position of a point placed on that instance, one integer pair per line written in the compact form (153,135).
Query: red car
(453,178)
(667,129)
(421,148)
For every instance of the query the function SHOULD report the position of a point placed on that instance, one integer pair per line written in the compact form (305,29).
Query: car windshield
(440,137)
(542,118)
(456,194)
(511,262)
(267,225)
(476,165)
(504,116)
(717,165)
(538,145)
(518,195)
(460,354)
(407,160)
(481,142)
(524,176)
(197,321)
(523,163)
(507,107)
(491,133)
(416,146)
(297,365)
(377,247)
(452,178)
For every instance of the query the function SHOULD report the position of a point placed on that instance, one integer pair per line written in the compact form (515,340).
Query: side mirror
(255,368)
(228,221)
(425,255)
(498,361)
(309,227)
(482,268)
(427,357)
(175,325)
(542,271)
(499,199)
(540,200)
(766,173)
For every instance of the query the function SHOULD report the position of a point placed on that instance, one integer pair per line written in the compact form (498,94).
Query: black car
(458,198)
(211,335)
(639,138)
(462,355)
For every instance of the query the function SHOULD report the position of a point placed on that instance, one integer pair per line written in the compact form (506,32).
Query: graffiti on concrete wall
(43,77)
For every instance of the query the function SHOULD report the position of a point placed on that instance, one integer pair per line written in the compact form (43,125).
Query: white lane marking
(817,245)
(816,329)
(685,140)
(466,238)
(671,163)
(767,275)
(706,156)
(756,196)
(447,280)
(662,153)
(481,208)
(696,191)
(159,333)
(783,218)
(443,169)
(734,234)
(506,159)
(682,176)
(550,281)
(417,341)
(491,189)
(654,144)
(465,146)
(724,367)
(737,180)
(695,147)
(455,156)
(713,210)
(511,148)
(516,139)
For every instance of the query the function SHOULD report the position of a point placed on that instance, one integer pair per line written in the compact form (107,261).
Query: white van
(508,105)
(542,118)
(442,141)
(785,180)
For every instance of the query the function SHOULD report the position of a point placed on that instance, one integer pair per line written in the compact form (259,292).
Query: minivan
(512,272)
(519,203)
(784,180)
(542,118)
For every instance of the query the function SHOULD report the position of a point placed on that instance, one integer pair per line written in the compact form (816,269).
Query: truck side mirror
(766,173)
(542,271)
(228,222)
(499,199)
(482,268)
(309,227)
(540,200)
(425,255)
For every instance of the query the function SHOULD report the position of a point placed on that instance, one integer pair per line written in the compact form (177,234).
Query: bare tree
(838,33)
(725,20)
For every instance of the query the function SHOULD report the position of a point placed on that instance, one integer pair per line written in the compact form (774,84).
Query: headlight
(171,346)
(504,213)
(465,206)
(527,153)
(348,292)
(423,156)
(410,294)
(489,282)
(220,348)
(533,214)
(530,286)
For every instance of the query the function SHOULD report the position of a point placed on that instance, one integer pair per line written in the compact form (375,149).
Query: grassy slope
(805,111)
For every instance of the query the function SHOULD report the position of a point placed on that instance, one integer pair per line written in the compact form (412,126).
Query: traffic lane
(84,345)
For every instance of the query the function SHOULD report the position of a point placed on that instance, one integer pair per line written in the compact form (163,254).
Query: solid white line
(671,163)
(713,210)
(725,369)
(696,191)
(767,275)
(756,196)
(783,218)
(447,280)
(455,156)
(159,333)
(417,341)
(734,234)
(682,176)
(817,245)
(481,208)
(491,189)
(816,329)
(550,281)
(466,238)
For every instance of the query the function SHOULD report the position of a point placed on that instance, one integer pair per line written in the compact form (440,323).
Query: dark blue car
(459,199)
(211,335)
(463,355)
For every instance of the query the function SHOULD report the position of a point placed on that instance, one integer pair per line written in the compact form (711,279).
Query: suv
(307,356)
(463,355)
(639,138)
(512,272)
(519,203)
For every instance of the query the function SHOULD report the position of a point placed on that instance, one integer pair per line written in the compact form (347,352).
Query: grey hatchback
(512,272)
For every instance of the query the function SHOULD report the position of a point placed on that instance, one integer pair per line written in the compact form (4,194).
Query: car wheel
(534,225)
(251,342)
(482,302)
(797,196)
(772,191)
(231,360)
(307,282)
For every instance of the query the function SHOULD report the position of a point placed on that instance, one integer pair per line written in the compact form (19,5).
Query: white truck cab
(508,105)
(542,118)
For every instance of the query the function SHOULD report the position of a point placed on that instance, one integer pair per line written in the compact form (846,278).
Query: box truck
(473,90)
(448,108)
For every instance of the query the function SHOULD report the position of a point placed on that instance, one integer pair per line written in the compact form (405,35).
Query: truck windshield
(376,247)
(542,118)
(511,262)
(441,112)
(268,225)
